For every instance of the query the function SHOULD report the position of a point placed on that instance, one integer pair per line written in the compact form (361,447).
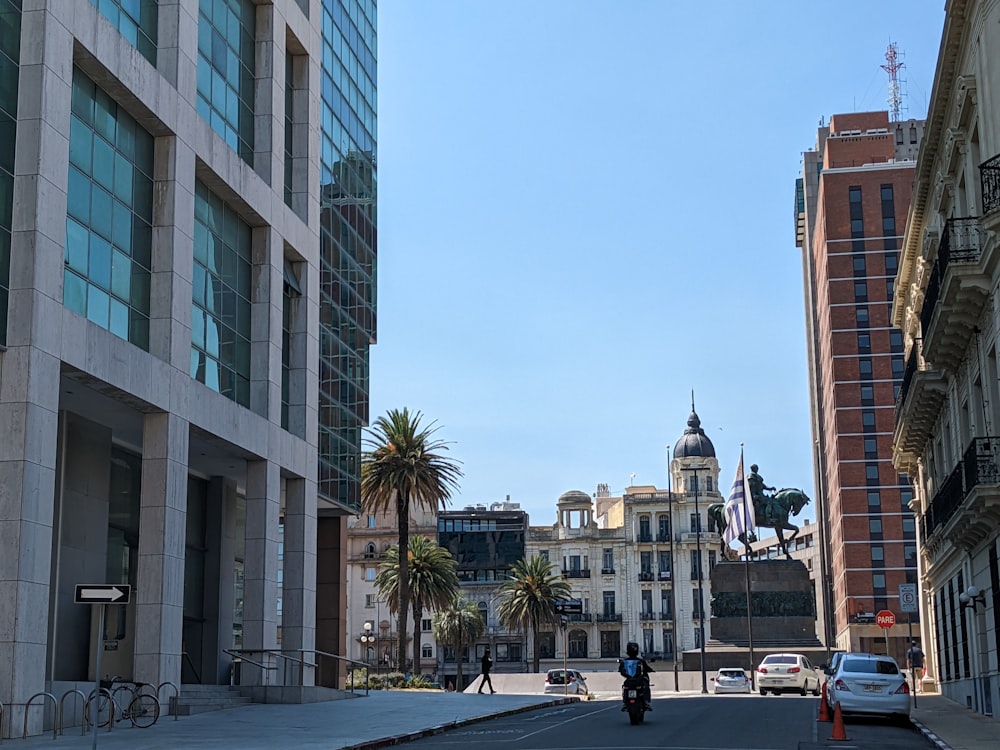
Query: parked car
(831,668)
(731,680)
(568,680)
(779,673)
(869,684)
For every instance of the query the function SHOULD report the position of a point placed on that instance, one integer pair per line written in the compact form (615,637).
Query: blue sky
(586,212)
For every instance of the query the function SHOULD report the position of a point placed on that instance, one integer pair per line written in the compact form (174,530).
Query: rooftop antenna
(892,66)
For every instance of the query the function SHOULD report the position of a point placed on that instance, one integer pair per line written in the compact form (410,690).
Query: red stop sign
(885,619)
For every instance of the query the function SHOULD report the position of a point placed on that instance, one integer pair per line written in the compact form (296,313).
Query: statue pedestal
(784,615)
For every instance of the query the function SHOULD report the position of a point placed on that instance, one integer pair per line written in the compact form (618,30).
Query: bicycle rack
(62,711)
(177,697)
(111,708)
(55,708)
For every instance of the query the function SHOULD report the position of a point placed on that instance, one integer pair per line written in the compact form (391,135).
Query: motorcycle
(633,700)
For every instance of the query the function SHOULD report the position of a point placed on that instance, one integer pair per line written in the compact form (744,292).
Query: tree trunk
(403,521)
(458,668)
(535,656)
(418,612)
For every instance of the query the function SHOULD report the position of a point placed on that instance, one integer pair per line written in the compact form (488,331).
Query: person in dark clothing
(634,665)
(487,665)
(915,661)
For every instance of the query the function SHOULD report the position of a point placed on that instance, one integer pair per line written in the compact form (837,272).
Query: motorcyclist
(634,665)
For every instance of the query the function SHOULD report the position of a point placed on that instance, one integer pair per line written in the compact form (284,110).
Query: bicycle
(143,708)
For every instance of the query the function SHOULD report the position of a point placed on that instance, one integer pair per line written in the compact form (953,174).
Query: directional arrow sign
(103,593)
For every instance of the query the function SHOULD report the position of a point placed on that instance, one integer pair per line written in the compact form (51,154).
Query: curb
(399,739)
(924,730)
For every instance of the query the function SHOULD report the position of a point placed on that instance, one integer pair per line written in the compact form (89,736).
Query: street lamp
(701,589)
(673,579)
(971,597)
(367,641)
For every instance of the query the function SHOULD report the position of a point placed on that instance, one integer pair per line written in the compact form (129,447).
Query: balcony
(989,181)
(609,617)
(584,617)
(966,508)
(647,615)
(667,616)
(920,398)
(645,537)
(661,537)
(646,575)
(607,571)
(577,573)
(956,293)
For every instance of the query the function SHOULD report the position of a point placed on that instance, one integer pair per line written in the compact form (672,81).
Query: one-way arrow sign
(103,593)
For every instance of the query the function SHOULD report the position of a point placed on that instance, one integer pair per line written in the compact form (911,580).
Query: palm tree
(456,626)
(433,581)
(529,598)
(402,467)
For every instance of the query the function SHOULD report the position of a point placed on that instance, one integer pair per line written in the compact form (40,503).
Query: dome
(694,441)
(574,497)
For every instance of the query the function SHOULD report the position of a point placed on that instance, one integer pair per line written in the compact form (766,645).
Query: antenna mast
(892,67)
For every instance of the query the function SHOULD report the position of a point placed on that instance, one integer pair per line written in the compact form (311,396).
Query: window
(577,641)
(544,554)
(878,555)
(874,500)
(868,419)
(609,603)
(696,568)
(370,600)
(695,522)
(135,20)
(644,533)
(106,274)
(871,473)
(878,582)
(371,522)
(281,550)
(909,526)
(227,31)
(646,563)
(898,366)
(864,343)
(905,497)
(646,602)
(666,604)
(913,134)
(859,265)
(665,563)
(608,560)
(611,644)
(221,294)
(861,314)
(871,447)
(860,291)
(426,652)
(547,645)
(892,265)
(697,637)
(278,607)
(668,643)
(663,528)
(875,528)
(910,554)
(425,624)
(369,574)
(865,368)
(890,288)
(889,225)
(708,484)
(896,341)
(867,395)
(10,53)
(899,136)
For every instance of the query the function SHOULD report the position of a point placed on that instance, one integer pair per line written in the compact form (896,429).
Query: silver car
(869,684)
(731,680)
(568,681)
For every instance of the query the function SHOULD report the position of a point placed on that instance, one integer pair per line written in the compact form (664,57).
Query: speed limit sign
(908,597)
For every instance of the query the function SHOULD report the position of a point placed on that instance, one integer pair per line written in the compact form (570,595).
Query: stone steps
(197,699)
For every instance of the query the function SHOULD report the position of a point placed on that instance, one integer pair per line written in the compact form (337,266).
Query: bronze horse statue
(772,513)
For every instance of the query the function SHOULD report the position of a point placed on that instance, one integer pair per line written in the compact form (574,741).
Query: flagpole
(746,570)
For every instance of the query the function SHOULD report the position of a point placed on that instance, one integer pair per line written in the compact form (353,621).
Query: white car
(565,681)
(779,673)
(731,680)
(869,684)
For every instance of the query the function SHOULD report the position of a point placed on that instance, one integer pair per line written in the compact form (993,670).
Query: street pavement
(386,718)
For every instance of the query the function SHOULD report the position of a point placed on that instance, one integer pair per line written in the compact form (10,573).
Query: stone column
(260,581)
(159,591)
(298,622)
(331,590)
(29,368)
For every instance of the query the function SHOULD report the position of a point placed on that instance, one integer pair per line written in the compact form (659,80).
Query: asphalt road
(732,722)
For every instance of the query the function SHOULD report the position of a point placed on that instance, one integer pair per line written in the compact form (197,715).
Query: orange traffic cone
(839,733)
(824,709)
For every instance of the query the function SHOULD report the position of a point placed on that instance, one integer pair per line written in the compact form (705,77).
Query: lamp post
(701,590)
(970,599)
(673,588)
(367,639)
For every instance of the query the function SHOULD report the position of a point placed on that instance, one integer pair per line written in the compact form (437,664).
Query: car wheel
(816,689)
(802,690)
(763,691)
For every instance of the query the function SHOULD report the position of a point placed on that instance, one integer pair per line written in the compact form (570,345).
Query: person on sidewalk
(487,665)
(915,661)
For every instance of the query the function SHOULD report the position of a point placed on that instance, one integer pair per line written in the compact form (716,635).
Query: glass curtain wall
(10,55)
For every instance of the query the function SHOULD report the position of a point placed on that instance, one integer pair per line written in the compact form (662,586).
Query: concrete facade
(948,412)
(120,460)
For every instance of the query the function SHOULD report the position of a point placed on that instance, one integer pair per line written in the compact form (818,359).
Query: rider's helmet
(632,649)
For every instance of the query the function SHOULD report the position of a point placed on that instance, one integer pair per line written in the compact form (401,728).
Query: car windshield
(731,673)
(870,666)
(780,659)
(557,677)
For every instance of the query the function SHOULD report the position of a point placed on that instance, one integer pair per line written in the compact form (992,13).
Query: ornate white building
(632,561)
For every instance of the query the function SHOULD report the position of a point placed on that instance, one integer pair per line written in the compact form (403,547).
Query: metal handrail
(360,664)
(55,708)
(238,653)
(62,711)
(177,697)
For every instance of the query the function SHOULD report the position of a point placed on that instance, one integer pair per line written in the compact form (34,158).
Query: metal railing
(961,242)
(177,696)
(646,575)
(577,573)
(980,464)
(55,712)
(62,710)
(609,618)
(290,666)
(931,294)
(989,182)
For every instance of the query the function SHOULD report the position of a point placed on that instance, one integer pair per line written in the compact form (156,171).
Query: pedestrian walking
(915,661)
(487,665)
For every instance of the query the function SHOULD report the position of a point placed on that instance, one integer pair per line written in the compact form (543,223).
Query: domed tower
(694,450)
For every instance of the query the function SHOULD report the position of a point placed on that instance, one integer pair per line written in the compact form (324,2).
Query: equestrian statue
(770,510)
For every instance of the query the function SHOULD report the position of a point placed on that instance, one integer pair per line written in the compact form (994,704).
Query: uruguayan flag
(739,511)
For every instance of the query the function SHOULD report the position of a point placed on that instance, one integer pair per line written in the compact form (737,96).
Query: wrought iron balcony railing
(647,616)
(645,537)
(979,465)
(607,571)
(661,537)
(931,294)
(609,617)
(646,575)
(908,373)
(962,242)
(989,181)
(584,617)
(664,575)
(577,573)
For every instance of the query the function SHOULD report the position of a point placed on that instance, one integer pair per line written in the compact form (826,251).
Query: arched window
(483,612)
(426,652)
(577,644)
(370,550)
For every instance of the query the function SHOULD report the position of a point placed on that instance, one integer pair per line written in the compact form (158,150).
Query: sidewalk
(381,719)
(952,726)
